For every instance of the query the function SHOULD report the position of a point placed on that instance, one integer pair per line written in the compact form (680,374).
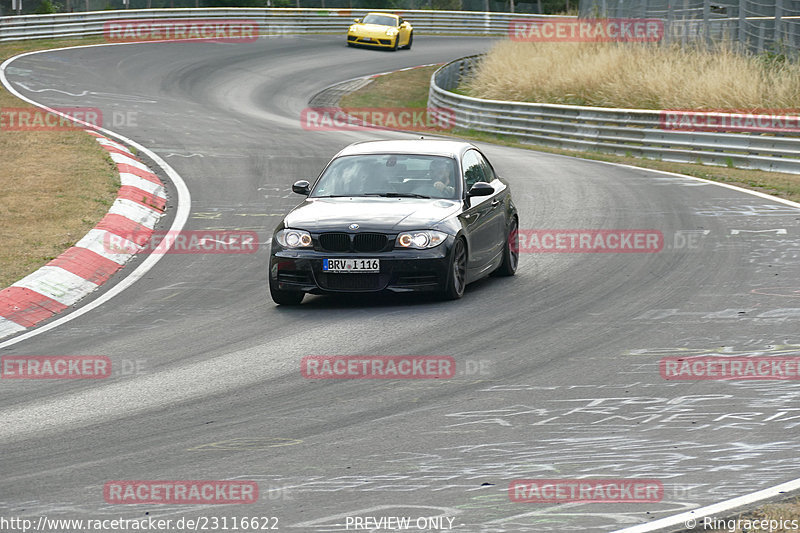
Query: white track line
(181,215)
(690,519)
(685,519)
(184,202)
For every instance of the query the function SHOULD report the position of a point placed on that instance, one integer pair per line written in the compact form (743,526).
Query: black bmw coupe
(400,216)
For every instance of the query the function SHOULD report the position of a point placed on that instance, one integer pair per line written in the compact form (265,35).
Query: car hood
(371,214)
(372,29)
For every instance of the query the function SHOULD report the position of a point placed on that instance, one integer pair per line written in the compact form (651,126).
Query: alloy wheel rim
(514,248)
(459,268)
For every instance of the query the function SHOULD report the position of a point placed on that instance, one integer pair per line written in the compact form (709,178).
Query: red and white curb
(80,270)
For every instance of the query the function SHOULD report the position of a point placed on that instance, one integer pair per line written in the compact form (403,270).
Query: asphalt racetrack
(557,368)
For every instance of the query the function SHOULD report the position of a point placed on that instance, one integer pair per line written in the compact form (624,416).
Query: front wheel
(510,252)
(410,40)
(284,297)
(396,43)
(457,275)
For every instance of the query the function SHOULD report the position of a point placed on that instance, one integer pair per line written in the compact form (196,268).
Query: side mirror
(356,20)
(301,187)
(481,188)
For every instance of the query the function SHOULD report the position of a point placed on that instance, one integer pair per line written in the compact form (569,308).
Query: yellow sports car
(383,30)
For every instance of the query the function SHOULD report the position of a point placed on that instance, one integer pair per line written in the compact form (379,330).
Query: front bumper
(400,271)
(383,41)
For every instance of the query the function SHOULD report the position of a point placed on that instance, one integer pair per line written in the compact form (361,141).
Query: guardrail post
(778,22)
(669,26)
(742,22)
(688,22)
(707,20)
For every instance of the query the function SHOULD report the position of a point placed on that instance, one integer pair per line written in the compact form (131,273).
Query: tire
(510,253)
(410,40)
(457,275)
(396,43)
(285,297)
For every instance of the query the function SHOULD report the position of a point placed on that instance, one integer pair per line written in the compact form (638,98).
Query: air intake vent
(335,242)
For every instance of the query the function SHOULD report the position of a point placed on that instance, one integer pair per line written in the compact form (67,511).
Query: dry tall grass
(635,76)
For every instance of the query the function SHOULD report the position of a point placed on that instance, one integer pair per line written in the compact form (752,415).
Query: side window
(473,168)
(487,169)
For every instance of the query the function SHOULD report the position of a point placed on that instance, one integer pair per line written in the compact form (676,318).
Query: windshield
(383,20)
(424,176)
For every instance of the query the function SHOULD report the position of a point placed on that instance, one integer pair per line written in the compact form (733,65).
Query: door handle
(495,203)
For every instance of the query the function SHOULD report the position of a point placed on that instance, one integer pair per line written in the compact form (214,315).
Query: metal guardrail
(270,21)
(619,131)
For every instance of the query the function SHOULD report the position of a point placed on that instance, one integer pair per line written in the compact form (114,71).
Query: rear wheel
(457,276)
(284,297)
(510,252)
(410,40)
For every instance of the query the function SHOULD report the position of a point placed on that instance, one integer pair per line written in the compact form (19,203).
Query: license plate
(351,265)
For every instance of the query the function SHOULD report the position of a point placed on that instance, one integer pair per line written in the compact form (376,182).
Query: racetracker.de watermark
(586,241)
(732,121)
(55,367)
(214,30)
(571,30)
(182,242)
(378,367)
(362,118)
(188,492)
(586,490)
(730,368)
(35,119)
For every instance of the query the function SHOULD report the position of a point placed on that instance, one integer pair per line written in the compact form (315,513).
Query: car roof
(382,13)
(411,146)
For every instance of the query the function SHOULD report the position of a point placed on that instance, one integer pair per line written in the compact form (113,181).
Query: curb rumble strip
(130,170)
(83,268)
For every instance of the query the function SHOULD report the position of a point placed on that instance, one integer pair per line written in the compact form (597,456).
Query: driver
(441,175)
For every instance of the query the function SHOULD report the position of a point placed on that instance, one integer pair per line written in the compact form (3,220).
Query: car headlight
(420,240)
(352,28)
(293,238)
(391,31)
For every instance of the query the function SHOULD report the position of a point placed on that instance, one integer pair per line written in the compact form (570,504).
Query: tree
(47,7)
